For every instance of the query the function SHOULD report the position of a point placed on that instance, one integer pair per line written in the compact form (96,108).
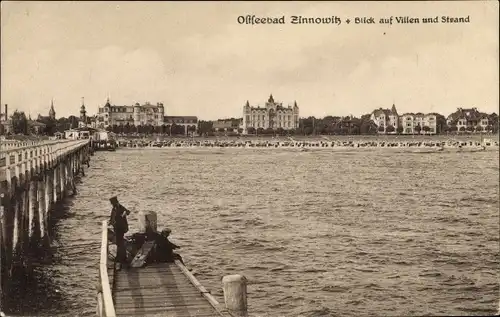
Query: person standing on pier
(119,222)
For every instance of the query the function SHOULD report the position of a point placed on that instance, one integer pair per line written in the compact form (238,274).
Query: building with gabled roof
(418,123)
(273,115)
(386,118)
(468,119)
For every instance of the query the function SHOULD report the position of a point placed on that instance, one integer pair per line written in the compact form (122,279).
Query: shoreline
(316,137)
(421,145)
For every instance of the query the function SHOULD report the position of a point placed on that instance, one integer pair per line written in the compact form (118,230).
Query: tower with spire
(52,112)
(83,115)
(271,99)
(393,110)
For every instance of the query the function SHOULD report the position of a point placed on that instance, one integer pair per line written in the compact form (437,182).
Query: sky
(196,59)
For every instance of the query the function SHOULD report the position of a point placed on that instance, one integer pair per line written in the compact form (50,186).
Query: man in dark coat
(119,222)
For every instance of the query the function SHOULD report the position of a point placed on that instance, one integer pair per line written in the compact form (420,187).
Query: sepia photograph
(249,158)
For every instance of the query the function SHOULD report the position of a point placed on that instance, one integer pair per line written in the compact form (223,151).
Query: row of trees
(329,125)
(21,124)
(167,129)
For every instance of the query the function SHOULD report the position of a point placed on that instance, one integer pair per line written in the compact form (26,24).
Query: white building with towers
(137,114)
(273,115)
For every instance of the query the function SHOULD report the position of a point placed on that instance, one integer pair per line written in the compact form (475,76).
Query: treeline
(333,125)
(166,129)
(21,124)
(329,125)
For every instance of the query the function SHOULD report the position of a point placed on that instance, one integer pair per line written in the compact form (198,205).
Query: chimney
(6,114)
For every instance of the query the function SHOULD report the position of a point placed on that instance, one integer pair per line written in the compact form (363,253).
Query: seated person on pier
(152,247)
(164,249)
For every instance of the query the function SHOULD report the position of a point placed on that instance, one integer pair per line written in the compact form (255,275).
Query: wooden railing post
(107,299)
(100,304)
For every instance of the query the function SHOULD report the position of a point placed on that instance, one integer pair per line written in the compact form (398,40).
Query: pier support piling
(24,215)
(56,180)
(62,175)
(16,231)
(42,209)
(32,200)
(235,294)
(49,195)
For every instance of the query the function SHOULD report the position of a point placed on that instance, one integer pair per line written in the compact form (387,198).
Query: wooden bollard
(147,221)
(235,294)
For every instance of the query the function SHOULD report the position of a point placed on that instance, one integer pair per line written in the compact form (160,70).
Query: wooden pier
(158,289)
(34,176)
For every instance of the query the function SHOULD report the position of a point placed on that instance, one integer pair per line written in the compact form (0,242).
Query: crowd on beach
(426,144)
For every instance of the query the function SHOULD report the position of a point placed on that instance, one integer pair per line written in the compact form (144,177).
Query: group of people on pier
(163,248)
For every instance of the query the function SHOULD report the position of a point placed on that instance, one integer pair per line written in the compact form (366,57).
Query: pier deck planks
(159,289)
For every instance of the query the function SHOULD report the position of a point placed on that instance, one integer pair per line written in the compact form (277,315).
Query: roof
(258,108)
(279,107)
(380,111)
(86,129)
(145,105)
(180,119)
(468,114)
(434,114)
(393,109)
(36,123)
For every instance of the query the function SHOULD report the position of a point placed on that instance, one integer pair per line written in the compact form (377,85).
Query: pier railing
(9,144)
(105,305)
(204,292)
(32,154)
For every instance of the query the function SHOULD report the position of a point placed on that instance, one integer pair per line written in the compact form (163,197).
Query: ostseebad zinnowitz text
(333,19)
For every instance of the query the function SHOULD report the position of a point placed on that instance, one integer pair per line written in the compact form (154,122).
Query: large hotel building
(273,115)
(140,115)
